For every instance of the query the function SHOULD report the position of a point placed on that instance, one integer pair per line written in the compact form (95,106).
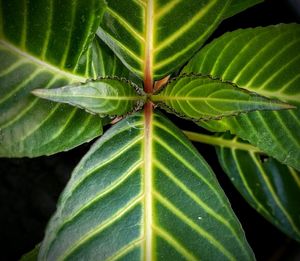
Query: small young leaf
(109,96)
(272,188)
(201,97)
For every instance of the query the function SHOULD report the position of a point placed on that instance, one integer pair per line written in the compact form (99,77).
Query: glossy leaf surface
(47,44)
(153,37)
(144,193)
(272,188)
(202,97)
(265,61)
(109,96)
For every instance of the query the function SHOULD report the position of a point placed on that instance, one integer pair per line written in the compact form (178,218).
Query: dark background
(29,188)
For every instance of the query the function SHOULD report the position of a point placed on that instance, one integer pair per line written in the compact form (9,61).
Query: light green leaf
(47,44)
(273,189)
(202,97)
(110,96)
(153,38)
(265,61)
(144,193)
(237,6)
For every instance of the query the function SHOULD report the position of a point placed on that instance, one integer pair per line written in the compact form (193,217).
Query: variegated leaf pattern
(237,6)
(265,61)
(45,44)
(144,193)
(201,97)
(272,188)
(153,37)
(104,96)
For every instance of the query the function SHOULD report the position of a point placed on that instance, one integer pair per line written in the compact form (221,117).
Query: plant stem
(148,74)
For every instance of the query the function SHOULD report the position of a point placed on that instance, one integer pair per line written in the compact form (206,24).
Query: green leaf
(144,193)
(47,44)
(32,255)
(153,38)
(273,189)
(201,97)
(237,6)
(110,96)
(105,63)
(265,61)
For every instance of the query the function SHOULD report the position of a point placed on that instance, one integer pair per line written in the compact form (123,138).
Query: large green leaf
(144,193)
(104,96)
(201,97)
(265,61)
(45,44)
(273,189)
(153,37)
(237,6)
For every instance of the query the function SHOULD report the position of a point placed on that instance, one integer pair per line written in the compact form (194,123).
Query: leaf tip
(287,106)
(38,92)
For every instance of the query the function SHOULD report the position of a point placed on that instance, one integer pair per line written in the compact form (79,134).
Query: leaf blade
(32,127)
(201,97)
(140,39)
(25,122)
(268,186)
(111,96)
(149,216)
(251,64)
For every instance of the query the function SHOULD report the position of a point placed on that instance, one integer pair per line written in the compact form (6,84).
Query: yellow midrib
(148,212)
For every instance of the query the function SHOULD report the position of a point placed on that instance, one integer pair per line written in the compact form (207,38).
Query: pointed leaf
(237,6)
(153,38)
(273,189)
(143,192)
(47,44)
(202,97)
(265,61)
(109,96)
